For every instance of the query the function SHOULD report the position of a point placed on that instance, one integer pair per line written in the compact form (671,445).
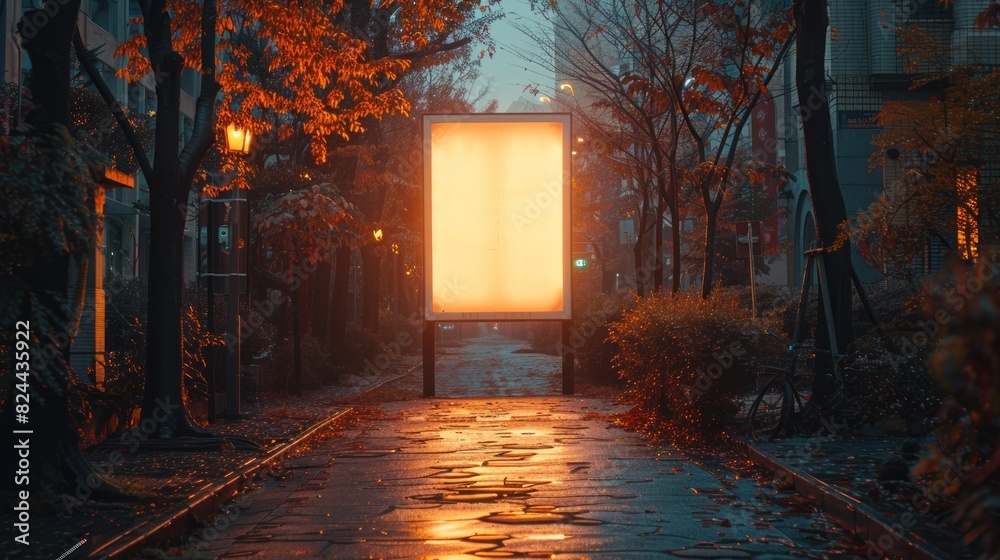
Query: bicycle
(784,405)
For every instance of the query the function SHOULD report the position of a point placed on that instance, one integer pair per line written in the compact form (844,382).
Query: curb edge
(202,503)
(851,514)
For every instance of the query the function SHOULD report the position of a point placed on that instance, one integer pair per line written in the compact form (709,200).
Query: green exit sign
(580,263)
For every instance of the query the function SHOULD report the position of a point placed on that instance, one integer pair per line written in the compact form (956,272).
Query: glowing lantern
(238,139)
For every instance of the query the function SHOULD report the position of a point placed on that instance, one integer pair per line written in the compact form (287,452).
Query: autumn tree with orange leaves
(324,82)
(938,153)
(697,69)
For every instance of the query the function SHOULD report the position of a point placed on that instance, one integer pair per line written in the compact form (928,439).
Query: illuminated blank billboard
(496,209)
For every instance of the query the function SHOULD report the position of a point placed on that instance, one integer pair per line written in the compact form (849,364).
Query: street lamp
(238,141)
(569,87)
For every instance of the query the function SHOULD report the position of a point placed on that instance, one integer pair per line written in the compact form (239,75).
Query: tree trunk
(661,208)
(296,385)
(168,193)
(371,274)
(403,305)
(675,237)
(711,219)
(829,210)
(341,291)
(321,302)
(163,393)
(54,441)
(675,207)
(637,254)
(305,298)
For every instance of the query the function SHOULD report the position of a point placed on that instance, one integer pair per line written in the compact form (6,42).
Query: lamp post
(395,290)
(238,141)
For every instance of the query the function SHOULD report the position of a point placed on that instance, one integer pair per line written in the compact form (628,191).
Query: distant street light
(569,87)
(377,234)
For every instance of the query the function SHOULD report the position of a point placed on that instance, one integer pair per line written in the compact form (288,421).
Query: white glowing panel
(496,209)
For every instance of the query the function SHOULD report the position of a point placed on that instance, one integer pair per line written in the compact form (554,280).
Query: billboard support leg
(568,357)
(429,332)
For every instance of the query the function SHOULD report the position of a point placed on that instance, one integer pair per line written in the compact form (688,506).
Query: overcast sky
(509,71)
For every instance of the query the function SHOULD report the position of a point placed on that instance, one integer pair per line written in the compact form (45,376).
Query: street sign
(626,231)
(764,141)
(223,229)
(769,229)
(743,238)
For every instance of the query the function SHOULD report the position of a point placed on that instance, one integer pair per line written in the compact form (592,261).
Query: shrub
(359,345)
(595,351)
(888,384)
(258,324)
(405,331)
(966,457)
(688,360)
(125,340)
(279,367)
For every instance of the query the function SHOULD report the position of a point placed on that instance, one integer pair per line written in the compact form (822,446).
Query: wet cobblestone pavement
(496,366)
(528,477)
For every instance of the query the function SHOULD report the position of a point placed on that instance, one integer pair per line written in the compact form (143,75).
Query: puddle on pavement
(348,541)
(716,521)
(453,475)
(476,492)
(709,552)
(453,467)
(520,446)
(540,514)
(364,453)
(487,538)
(509,459)
(471,497)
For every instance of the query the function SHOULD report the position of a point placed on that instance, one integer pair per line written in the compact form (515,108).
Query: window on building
(105,14)
(189,80)
(136,97)
(967,214)
(114,250)
(924,10)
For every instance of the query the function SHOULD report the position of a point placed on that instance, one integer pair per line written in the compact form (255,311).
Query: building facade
(123,251)
(865,71)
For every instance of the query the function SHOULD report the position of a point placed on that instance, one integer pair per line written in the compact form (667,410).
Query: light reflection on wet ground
(442,479)
(533,477)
